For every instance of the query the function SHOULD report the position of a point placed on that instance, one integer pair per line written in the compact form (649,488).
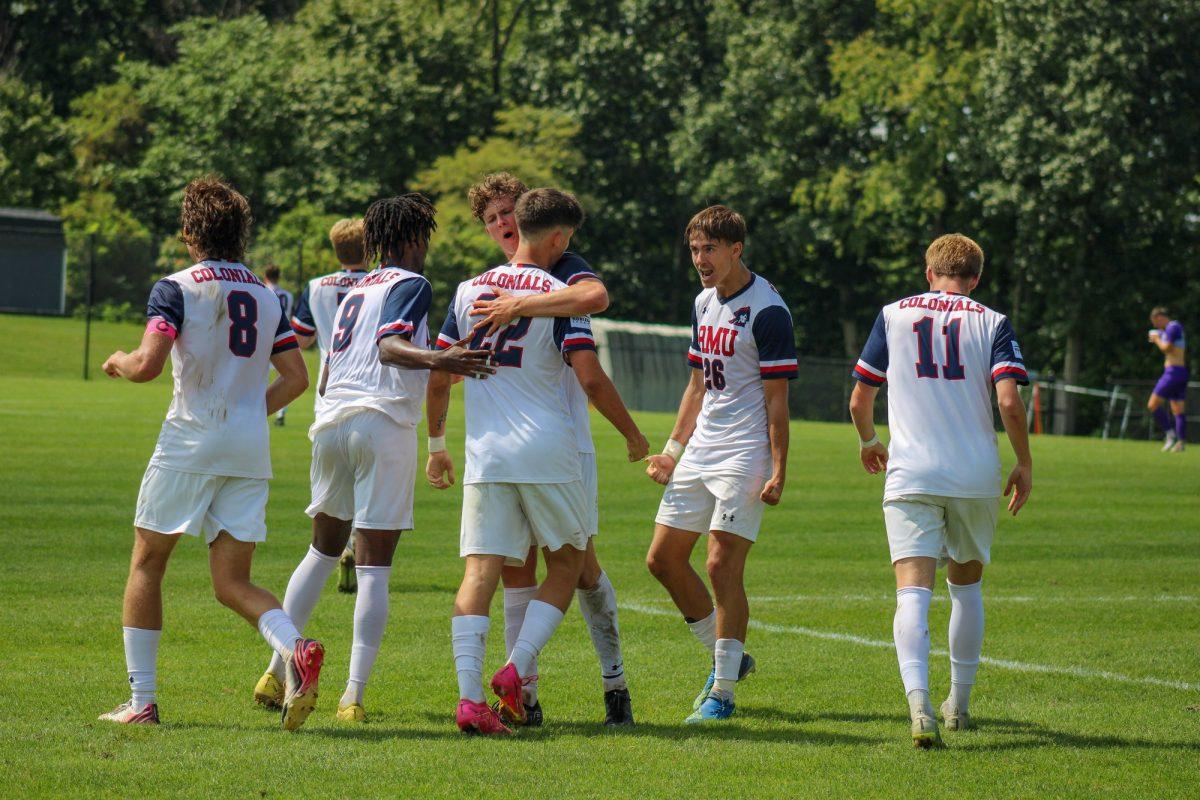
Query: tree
(1093,109)
(125,267)
(302,232)
(34,152)
(535,145)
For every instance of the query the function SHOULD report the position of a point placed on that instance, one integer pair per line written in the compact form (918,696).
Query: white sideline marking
(1016,666)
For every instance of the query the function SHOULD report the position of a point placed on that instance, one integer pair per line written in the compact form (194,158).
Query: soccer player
(313,322)
(271,279)
(1167,336)
(492,202)
(523,476)
(364,458)
(210,468)
(941,353)
(733,422)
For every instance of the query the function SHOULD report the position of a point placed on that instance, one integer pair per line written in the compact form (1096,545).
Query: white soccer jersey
(940,353)
(318,305)
(518,424)
(739,341)
(390,301)
(226,325)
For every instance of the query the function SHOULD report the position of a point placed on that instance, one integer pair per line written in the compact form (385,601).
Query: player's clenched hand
(638,447)
(773,491)
(458,360)
(496,313)
(439,470)
(1020,483)
(660,468)
(110,365)
(874,458)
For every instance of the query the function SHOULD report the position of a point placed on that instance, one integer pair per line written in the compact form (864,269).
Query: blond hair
(955,256)
(346,235)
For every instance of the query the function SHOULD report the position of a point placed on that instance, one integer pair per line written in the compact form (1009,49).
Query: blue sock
(1181,427)
(1162,418)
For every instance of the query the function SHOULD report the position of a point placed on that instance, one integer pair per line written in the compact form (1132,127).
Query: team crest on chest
(740,317)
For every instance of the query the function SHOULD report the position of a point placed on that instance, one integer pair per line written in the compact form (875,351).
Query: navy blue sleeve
(449,334)
(302,319)
(406,305)
(695,357)
(166,304)
(776,343)
(872,365)
(1006,356)
(574,333)
(572,268)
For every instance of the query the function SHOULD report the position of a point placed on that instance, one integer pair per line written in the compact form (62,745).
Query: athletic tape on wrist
(874,440)
(673,449)
(437,444)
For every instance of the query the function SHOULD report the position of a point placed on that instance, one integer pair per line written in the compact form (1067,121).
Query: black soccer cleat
(618,710)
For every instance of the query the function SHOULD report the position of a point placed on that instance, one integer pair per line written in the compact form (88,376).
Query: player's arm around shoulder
(579,299)
(1012,414)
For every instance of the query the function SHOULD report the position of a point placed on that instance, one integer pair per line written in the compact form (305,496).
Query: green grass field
(1093,622)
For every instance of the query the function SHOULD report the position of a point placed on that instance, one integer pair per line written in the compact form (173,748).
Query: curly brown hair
(493,187)
(215,219)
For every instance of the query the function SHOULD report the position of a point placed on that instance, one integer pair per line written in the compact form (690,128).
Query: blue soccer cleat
(713,709)
(747,666)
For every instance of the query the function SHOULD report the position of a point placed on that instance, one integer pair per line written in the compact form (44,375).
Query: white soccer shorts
(497,518)
(932,526)
(193,503)
(363,469)
(591,488)
(703,502)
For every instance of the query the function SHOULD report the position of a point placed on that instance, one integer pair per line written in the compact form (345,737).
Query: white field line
(990,598)
(1016,666)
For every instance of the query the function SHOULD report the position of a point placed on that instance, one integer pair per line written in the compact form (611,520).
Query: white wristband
(874,440)
(437,444)
(673,449)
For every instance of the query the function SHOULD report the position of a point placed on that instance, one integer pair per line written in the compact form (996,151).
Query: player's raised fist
(110,365)
(439,470)
(660,468)
(638,447)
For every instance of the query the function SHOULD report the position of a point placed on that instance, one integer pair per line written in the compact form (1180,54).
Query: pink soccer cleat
(479,718)
(507,685)
(125,715)
(303,669)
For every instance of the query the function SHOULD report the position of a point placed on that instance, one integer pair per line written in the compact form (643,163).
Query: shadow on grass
(1023,734)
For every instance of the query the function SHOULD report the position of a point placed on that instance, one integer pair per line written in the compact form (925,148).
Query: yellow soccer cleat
(268,692)
(351,713)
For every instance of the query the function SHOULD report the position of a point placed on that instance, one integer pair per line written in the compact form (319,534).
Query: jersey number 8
(243,323)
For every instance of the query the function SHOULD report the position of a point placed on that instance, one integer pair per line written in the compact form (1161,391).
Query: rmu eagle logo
(740,317)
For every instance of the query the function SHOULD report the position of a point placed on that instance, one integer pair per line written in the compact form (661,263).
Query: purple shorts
(1173,384)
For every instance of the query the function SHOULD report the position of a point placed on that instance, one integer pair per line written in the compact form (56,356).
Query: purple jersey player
(1167,335)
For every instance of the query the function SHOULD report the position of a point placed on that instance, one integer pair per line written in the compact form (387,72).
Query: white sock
(279,631)
(303,590)
(706,631)
(911,631)
(966,639)
(141,661)
(541,620)
(728,657)
(516,602)
(370,619)
(469,635)
(599,607)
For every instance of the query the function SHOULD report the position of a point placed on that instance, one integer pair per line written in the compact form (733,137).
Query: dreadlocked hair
(394,222)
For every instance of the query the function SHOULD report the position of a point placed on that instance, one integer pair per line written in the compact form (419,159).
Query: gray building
(33,262)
